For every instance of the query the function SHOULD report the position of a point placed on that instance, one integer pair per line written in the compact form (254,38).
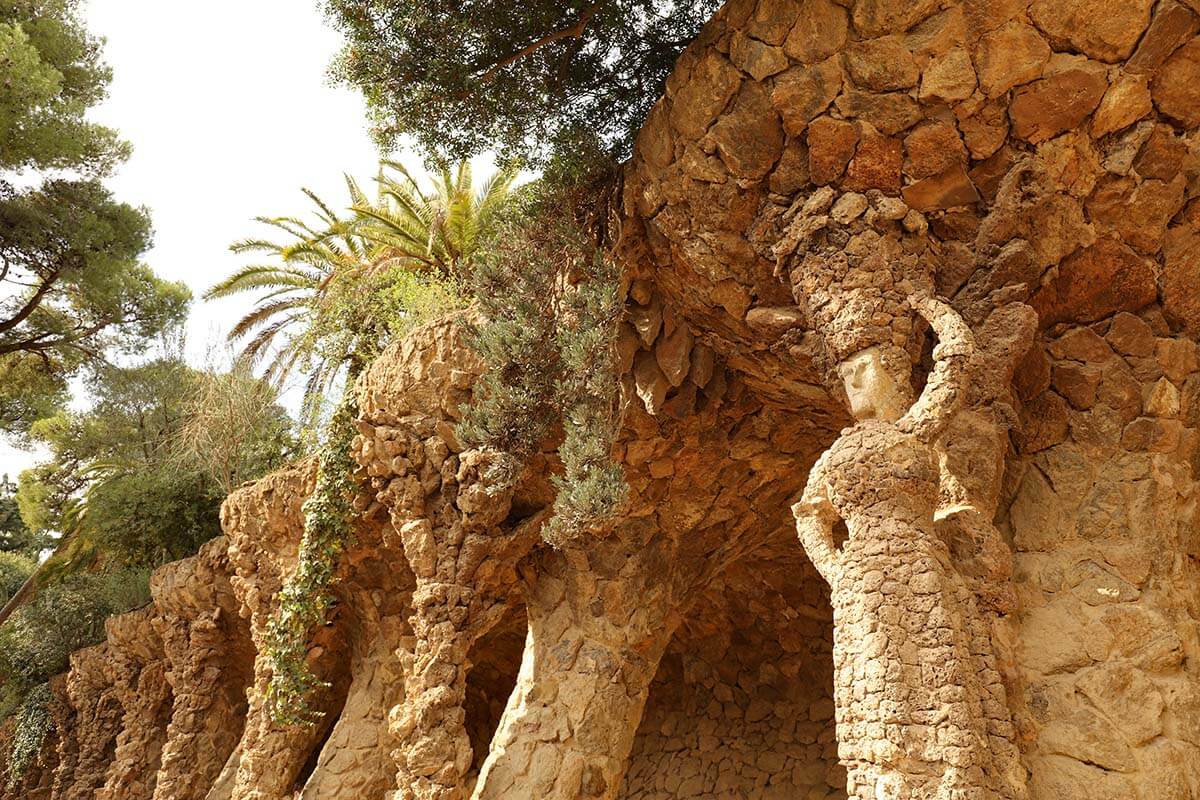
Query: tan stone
(1102,30)
(1099,280)
(760,60)
(1176,87)
(749,136)
(1126,101)
(695,106)
(889,113)
(985,131)
(876,164)
(1162,154)
(1058,102)
(673,353)
(948,78)
(803,93)
(652,384)
(1136,212)
(1172,25)
(791,173)
(881,17)
(932,148)
(1181,270)
(831,144)
(819,32)
(1010,56)
(947,190)
(771,21)
(881,65)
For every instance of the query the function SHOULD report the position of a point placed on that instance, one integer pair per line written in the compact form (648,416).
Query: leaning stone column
(594,643)
(463,560)
(208,653)
(138,673)
(98,716)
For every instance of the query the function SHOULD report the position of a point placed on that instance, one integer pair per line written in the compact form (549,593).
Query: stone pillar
(450,524)
(594,644)
(355,761)
(137,673)
(208,654)
(98,717)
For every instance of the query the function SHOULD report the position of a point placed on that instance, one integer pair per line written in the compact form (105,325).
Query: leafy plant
(33,724)
(306,598)
(552,306)
(340,288)
(15,569)
(72,287)
(527,79)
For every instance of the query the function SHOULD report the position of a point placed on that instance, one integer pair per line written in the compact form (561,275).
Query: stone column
(137,672)
(98,717)
(450,524)
(596,635)
(208,653)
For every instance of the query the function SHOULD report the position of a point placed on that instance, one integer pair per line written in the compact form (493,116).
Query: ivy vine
(307,596)
(32,726)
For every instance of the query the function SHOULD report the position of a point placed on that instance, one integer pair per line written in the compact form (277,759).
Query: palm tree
(439,231)
(323,308)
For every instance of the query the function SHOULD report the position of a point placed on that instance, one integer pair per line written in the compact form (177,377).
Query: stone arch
(742,704)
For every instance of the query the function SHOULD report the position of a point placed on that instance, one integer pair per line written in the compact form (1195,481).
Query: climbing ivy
(307,596)
(32,726)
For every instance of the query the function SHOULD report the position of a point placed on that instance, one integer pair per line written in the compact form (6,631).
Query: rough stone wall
(1103,520)
(137,671)
(99,714)
(742,705)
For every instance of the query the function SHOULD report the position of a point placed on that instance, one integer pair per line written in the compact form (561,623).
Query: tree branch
(573,32)
(32,303)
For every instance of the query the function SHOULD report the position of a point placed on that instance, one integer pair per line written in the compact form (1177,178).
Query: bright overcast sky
(230,112)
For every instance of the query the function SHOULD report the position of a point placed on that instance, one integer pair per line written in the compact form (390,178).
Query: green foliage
(592,489)
(15,535)
(36,642)
(139,477)
(72,288)
(527,79)
(52,76)
(552,308)
(33,725)
(307,597)
(14,569)
(516,284)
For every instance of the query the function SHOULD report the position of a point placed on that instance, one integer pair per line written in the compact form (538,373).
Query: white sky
(230,112)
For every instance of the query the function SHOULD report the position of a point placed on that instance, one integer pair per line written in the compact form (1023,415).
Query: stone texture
(1096,282)
(1010,56)
(1059,102)
(1101,30)
(1176,87)
(1034,530)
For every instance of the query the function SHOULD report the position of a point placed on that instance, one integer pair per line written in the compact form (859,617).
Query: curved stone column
(592,650)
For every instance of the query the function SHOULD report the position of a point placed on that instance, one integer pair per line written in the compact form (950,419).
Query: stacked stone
(1103,520)
(450,523)
(136,672)
(742,705)
(99,715)
(265,524)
